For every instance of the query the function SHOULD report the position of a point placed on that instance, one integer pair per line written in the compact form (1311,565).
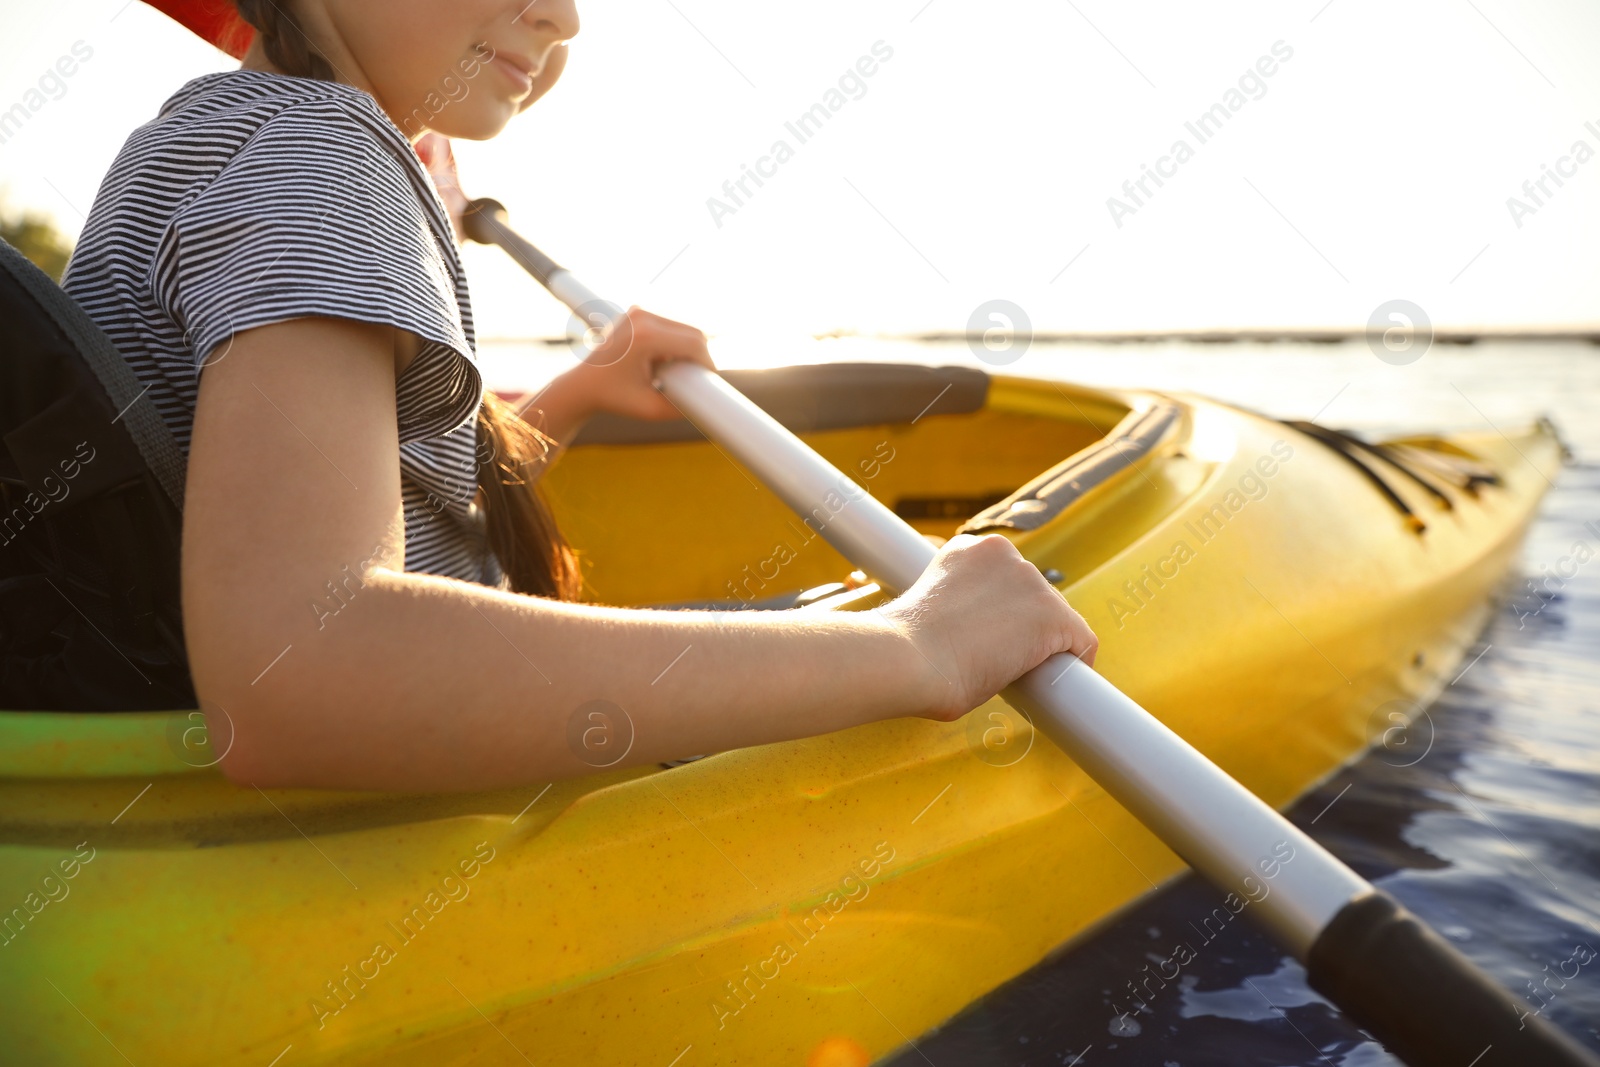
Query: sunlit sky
(1375,163)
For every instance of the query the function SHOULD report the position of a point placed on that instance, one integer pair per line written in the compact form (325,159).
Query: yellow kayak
(1275,593)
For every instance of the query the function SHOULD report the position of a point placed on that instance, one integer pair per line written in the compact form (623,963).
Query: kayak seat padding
(830,396)
(1041,500)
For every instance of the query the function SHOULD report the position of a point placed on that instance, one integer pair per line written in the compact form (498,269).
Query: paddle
(1362,950)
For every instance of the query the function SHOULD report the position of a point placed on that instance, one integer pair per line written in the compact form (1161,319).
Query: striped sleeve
(320,213)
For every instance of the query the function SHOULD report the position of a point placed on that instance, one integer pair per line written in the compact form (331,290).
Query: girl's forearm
(428,684)
(320,663)
(559,410)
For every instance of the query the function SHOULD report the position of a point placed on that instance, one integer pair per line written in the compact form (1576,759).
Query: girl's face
(461,68)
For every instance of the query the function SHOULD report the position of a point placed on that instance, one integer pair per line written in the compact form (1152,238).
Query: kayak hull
(819,901)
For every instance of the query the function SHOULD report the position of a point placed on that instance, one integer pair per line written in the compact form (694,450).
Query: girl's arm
(616,377)
(428,684)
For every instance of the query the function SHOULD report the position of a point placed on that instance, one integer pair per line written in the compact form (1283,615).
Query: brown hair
(522,533)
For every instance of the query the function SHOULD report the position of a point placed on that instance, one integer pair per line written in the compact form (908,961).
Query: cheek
(406,48)
(413,49)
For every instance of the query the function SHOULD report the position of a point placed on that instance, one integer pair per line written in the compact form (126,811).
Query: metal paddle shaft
(1213,822)
(1379,963)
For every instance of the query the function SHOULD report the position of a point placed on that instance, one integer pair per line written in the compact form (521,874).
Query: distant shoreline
(1320,337)
(1329,337)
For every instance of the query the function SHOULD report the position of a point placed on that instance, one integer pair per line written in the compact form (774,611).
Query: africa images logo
(803,128)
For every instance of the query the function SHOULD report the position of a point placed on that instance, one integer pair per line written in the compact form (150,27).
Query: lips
(519,70)
(527,67)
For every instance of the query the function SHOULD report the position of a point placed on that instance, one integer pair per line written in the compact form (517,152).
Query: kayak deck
(836,895)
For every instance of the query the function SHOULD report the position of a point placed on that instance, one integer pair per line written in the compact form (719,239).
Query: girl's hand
(981,616)
(440,162)
(616,376)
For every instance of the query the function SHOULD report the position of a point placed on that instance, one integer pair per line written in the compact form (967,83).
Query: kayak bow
(1362,949)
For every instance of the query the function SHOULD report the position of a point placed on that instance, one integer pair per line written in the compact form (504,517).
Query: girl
(274,262)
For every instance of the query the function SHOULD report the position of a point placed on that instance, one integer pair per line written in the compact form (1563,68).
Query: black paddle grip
(1425,1001)
(485,222)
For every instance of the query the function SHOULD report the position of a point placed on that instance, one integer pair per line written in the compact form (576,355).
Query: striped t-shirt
(254,198)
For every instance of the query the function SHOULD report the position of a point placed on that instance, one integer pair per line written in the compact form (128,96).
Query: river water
(1484,818)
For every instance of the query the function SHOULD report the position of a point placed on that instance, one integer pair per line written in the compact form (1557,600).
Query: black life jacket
(91,499)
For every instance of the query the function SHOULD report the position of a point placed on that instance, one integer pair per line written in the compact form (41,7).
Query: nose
(557,18)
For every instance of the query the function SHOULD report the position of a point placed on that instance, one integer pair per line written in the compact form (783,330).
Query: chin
(477,124)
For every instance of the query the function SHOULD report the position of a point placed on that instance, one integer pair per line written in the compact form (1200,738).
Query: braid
(283,39)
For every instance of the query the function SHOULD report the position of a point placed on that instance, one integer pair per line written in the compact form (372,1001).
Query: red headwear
(217,21)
